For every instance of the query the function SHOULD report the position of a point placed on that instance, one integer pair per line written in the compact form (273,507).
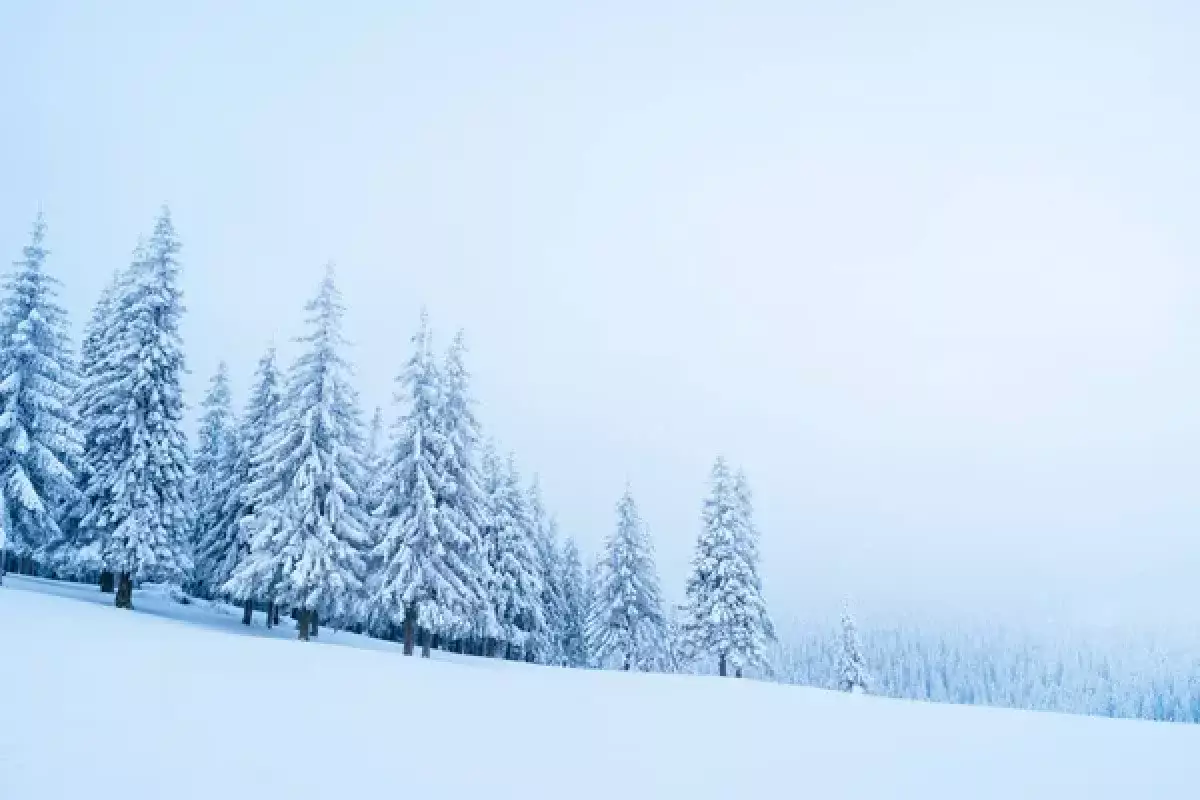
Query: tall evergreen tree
(138,491)
(625,623)
(309,539)
(258,489)
(80,554)
(575,606)
(465,500)
(427,554)
(516,590)
(852,669)
(726,614)
(547,645)
(40,444)
(716,586)
(752,628)
(215,478)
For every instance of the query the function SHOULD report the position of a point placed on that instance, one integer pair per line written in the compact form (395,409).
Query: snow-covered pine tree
(591,584)
(309,538)
(575,606)
(547,645)
(716,586)
(516,590)
(80,555)
(40,442)
(258,490)
(374,460)
(138,492)
(625,623)
(464,499)
(752,628)
(851,668)
(428,558)
(216,477)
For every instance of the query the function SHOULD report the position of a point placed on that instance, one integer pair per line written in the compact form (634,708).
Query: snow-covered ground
(184,702)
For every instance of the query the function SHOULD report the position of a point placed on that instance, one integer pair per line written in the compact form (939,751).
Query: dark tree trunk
(248,612)
(628,663)
(437,641)
(270,615)
(489,647)
(124,596)
(722,666)
(312,624)
(106,582)
(508,651)
(275,614)
(737,673)
(302,625)
(426,641)
(410,624)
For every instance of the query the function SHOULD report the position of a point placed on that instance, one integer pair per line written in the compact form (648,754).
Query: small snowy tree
(374,460)
(851,668)
(625,623)
(308,540)
(257,488)
(427,554)
(214,464)
(137,492)
(574,606)
(40,442)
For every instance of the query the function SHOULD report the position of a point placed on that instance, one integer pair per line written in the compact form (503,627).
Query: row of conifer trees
(423,531)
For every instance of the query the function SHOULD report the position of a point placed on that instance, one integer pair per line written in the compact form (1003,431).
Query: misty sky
(929,273)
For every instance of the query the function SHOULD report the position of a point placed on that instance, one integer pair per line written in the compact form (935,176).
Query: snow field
(165,702)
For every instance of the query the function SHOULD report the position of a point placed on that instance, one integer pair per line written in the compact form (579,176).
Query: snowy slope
(105,704)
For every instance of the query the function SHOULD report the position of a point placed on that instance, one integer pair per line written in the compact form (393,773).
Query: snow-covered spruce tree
(464,500)
(575,606)
(428,559)
(515,565)
(310,536)
(40,443)
(625,624)
(716,585)
(726,616)
(851,668)
(546,646)
(79,554)
(752,628)
(213,464)
(258,489)
(138,489)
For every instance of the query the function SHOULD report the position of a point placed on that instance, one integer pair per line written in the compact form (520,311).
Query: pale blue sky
(929,271)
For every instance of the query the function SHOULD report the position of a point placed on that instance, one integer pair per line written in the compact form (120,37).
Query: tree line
(420,531)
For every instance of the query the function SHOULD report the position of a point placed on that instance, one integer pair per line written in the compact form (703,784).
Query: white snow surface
(184,702)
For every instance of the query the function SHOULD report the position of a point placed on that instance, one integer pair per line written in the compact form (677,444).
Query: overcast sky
(931,274)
